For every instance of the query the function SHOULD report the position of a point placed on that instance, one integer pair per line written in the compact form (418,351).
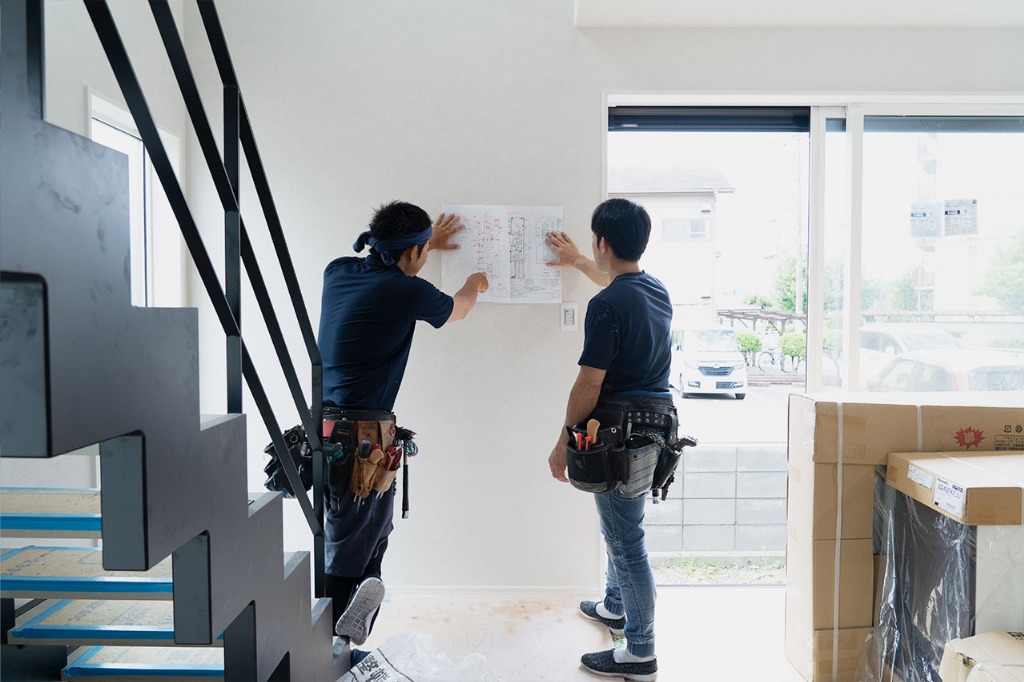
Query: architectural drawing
(508,244)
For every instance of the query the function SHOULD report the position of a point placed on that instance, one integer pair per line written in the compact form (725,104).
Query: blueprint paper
(508,244)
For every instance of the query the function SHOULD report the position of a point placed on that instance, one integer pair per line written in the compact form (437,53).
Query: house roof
(674,178)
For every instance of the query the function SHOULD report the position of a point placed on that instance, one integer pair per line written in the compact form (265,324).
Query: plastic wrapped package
(413,656)
(939,580)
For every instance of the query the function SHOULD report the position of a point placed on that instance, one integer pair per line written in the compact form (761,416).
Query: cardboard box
(961,656)
(811,581)
(875,424)
(810,652)
(975,488)
(814,496)
(868,429)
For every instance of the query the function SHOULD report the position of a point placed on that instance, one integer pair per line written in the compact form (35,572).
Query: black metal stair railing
(238,247)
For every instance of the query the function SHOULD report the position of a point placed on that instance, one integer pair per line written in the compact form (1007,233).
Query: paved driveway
(761,418)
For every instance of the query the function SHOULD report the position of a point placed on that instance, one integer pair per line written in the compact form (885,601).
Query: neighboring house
(681,200)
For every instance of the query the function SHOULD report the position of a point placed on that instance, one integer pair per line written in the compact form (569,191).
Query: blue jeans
(629,587)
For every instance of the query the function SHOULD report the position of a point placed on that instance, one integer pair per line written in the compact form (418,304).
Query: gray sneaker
(616,625)
(603,663)
(354,623)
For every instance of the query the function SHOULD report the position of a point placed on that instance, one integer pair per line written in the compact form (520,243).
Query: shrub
(794,344)
(750,344)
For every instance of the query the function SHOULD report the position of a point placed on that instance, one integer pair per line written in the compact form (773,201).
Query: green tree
(904,294)
(1005,278)
(760,300)
(785,285)
(785,288)
(750,344)
(794,345)
(834,285)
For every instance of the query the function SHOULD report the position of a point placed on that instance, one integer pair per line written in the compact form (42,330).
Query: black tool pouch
(601,467)
(655,419)
(668,460)
(301,454)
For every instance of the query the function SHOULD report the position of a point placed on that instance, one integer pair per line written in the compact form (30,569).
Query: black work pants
(341,588)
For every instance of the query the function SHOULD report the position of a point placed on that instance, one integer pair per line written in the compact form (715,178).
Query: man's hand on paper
(567,252)
(569,256)
(445,227)
(480,279)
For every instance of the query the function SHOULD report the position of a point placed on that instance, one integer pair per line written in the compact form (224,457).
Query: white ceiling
(801,13)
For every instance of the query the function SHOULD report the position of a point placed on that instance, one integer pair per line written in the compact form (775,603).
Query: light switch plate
(568,319)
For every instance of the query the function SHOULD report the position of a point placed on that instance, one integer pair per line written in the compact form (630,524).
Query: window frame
(825,113)
(164,248)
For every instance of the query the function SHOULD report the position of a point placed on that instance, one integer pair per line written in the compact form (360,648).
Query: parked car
(879,344)
(952,369)
(707,361)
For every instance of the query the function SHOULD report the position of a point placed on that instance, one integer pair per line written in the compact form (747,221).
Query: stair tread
(50,512)
(162,662)
(77,572)
(97,622)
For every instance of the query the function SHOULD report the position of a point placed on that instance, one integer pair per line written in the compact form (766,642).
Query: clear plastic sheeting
(939,580)
(413,656)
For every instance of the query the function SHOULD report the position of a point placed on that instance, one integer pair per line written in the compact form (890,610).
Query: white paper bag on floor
(413,656)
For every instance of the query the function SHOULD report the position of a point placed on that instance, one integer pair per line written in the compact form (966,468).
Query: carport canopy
(775,318)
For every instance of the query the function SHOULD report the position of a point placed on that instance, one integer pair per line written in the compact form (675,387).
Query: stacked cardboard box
(835,442)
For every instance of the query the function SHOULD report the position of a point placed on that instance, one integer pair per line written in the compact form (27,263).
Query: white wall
(501,102)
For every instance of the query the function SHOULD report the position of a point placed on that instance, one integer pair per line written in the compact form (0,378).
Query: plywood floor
(703,633)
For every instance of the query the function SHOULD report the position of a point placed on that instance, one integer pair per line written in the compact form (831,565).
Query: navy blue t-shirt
(628,333)
(368,315)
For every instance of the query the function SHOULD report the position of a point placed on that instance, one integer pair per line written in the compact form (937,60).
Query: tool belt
(366,451)
(630,422)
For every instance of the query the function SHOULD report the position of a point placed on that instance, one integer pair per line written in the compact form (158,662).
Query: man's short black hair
(398,219)
(624,225)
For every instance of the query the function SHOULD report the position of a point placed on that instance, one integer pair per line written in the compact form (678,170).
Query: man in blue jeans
(624,366)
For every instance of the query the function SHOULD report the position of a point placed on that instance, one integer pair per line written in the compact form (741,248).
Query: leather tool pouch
(600,467)
(348,473)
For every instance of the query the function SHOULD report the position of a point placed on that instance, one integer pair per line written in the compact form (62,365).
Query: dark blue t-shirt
(628,333)
(368,315)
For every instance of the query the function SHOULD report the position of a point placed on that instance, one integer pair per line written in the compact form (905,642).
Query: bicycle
(770,357)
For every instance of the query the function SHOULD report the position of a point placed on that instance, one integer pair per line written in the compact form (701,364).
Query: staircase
(192,581)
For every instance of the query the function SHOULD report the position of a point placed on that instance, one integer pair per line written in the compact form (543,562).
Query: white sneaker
(354,623)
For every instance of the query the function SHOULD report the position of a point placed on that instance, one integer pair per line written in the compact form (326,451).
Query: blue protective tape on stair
(35,629)
(81,522)
(21,488)
(18,550)
(11,553)
(45,614)
(104,670)
(154,633)
(61,584)
(82,668)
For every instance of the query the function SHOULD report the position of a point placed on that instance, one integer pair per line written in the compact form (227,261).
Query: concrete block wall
(728,498)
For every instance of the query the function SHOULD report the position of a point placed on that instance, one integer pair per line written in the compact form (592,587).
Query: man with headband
(369,311)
